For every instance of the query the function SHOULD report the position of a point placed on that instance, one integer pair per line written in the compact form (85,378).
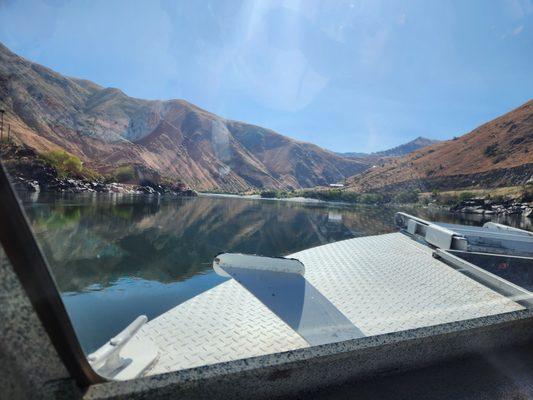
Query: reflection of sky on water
(99,314)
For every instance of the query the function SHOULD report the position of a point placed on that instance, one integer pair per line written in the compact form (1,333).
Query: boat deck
(381,284)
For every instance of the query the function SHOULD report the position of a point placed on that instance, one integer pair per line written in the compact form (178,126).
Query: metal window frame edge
(34,274)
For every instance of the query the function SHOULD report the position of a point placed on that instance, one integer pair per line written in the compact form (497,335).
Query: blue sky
(351,75)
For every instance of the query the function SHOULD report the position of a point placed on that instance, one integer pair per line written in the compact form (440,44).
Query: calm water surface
(115,258)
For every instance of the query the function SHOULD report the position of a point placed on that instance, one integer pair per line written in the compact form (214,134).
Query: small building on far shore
(336,185)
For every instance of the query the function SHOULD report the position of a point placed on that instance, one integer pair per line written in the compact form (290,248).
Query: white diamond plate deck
(382,284)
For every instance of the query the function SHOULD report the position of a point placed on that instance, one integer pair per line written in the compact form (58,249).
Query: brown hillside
(106,128)
(487,155)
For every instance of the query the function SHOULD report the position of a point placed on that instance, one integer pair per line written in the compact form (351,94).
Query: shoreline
(476,206)
(258,197)
(296,199)
(31,197)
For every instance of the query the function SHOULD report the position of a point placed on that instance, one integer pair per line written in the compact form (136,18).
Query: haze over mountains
(397,151)
(106,128)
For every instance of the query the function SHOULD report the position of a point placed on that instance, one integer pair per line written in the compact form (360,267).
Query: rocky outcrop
(78,186)
(28,172)
(489,207)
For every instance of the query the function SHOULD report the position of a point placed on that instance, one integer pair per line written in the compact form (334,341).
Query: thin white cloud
(518,30)
(518,9)
(401,19)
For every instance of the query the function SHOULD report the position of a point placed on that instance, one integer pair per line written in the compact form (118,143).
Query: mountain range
(177,140)
(397,151)
(106,129)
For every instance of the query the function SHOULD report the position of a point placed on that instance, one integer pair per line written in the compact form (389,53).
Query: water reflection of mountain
(94,241)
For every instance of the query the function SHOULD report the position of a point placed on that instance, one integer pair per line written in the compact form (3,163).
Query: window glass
(212,181)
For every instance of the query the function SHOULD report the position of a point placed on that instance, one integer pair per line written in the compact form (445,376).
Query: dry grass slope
(498,151)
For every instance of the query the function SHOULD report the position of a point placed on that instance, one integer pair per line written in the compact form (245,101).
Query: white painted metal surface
(279,284)
(122,357)
(500,227)
(257,263)
(490,238)
(511,290)
(224,323)
(382,284)
(439,237)
(494,238)
(390,283)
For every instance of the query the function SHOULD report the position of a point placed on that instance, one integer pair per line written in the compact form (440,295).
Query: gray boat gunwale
(396,350)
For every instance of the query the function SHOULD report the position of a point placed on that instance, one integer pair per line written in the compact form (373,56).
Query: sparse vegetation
(125,174)
(491,150)
(407,196)
(274,194)
(91,175)
(516,141)
(331,195)
(527,192)
(499,158)
(371,198)
(466,196)
(65,164)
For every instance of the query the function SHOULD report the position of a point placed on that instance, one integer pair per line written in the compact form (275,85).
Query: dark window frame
(32,270)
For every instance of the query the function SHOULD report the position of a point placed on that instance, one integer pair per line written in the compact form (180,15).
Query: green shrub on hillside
(273,194)
(466,196)
(92,175)
(371,198)
(66,164)
(407,196)
(527,192)
(331,195)
(349,197)
(125,174)
(496,198)
(448,199)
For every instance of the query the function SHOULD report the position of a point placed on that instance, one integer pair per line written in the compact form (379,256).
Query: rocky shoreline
(29,172)
(70,185)
(481,206)
(490,207)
